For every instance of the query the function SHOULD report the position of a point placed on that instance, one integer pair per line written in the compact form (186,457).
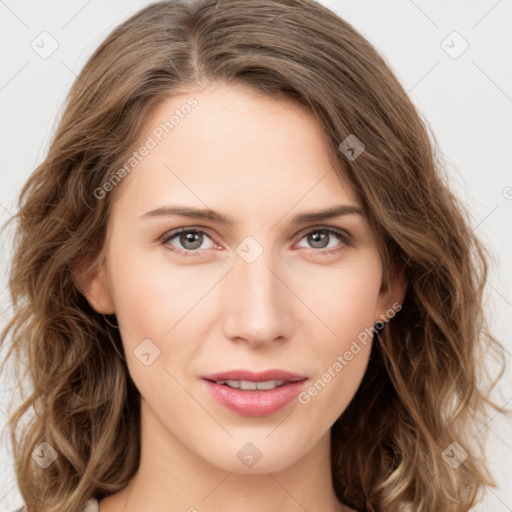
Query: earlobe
(399,285)
(392,293)
(94,285)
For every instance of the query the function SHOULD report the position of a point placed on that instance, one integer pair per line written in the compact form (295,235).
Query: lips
(254,402)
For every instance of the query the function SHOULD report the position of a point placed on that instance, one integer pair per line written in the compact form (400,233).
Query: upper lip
(255,376)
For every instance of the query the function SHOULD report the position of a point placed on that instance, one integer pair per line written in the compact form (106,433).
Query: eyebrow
(219,218)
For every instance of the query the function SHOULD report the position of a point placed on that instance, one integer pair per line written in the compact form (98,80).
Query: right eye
(190,240)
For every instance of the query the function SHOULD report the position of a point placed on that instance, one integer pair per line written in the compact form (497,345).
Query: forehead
(235,146)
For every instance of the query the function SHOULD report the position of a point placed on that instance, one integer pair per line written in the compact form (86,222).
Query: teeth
(248,385)
(269,384)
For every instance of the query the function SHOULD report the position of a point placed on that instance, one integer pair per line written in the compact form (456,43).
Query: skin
(261,160)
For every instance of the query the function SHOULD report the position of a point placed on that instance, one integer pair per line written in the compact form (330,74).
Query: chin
(257,456)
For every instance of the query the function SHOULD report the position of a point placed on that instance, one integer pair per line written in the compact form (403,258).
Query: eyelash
(345,238)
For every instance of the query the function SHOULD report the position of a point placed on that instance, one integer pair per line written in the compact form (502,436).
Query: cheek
(340,365)
(152,296)
(348,297)
(348,307)
(158,312)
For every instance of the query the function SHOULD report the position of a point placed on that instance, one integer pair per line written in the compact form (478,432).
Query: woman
(316,347)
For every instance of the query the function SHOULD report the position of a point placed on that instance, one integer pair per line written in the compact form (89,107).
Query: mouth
(254,394)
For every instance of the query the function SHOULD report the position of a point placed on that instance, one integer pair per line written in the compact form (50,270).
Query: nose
(258,305)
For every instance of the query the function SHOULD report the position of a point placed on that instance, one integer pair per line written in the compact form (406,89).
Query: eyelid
(339,231)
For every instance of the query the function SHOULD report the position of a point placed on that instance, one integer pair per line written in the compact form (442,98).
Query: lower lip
(255,402)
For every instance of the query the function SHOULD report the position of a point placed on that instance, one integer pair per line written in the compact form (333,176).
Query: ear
(92,281)
(392,293)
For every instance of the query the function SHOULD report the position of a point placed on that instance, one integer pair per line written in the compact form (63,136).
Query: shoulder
(90,505)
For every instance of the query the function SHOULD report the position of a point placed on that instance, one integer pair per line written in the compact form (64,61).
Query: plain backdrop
(453,58)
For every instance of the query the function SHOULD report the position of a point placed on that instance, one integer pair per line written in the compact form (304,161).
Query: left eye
(319,238)
(192,239)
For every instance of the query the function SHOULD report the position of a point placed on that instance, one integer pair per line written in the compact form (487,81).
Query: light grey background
(466,98)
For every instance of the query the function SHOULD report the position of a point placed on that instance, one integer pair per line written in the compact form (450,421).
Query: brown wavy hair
(424,387)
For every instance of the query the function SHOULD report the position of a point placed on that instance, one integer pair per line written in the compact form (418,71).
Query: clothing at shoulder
(91,505)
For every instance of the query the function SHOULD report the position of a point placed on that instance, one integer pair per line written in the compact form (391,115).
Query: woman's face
(268,291)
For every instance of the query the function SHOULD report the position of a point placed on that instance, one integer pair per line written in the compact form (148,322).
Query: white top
(91,505)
